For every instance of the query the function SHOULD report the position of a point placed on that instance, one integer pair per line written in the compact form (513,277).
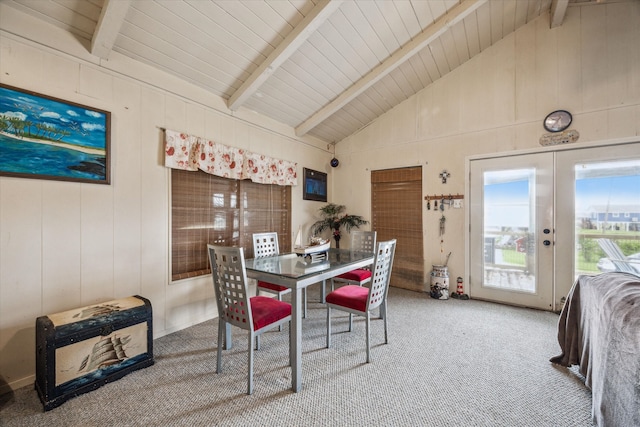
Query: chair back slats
(358,300)
(265,244)
(381,275)
(237,308)
(364,241)
(616,256)
(230,284)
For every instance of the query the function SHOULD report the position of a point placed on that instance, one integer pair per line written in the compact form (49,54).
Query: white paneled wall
(496,102)
(65,245)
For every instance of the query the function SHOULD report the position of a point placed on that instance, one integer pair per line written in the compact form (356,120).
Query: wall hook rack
(444,197)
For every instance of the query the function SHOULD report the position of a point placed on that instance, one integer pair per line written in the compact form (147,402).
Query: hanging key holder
(439,200)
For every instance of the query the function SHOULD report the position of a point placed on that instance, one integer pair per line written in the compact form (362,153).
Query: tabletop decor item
(315,251)
(48,138)
(334,219)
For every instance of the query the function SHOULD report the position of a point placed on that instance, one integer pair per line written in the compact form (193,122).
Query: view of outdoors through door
(509,224)
(537,221)
(607,217)
(511,230)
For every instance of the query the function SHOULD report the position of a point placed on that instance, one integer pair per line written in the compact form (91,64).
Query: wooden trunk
(79,350)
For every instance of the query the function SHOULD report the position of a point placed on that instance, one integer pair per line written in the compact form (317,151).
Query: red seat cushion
(357,275)
(350,296)
(266,311)
(271,286)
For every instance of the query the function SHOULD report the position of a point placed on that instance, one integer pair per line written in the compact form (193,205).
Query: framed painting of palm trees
(43,137)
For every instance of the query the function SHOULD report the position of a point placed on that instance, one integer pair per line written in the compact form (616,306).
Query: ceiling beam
(558,12)
(421,41)
(108,26)
(291,43)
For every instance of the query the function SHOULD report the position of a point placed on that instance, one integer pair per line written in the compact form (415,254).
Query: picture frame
(42,137)
(315,185)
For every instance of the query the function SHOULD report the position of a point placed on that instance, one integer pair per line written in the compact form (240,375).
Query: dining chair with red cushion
(264,245)
(361,300)
(256,314)
(362,241)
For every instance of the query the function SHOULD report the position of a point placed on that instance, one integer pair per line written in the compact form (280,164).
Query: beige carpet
(448,363)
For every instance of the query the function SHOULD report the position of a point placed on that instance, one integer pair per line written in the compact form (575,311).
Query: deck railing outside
(509,249)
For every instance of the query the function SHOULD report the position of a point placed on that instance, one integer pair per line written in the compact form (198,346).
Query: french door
(535,220)
(603,202)
(512,230)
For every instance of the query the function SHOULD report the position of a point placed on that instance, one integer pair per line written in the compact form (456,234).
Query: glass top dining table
(296,272)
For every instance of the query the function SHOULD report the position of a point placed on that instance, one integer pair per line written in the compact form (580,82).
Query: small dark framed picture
(42,137)
(315,185)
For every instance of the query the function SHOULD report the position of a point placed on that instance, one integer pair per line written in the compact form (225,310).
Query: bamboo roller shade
(396,198)
(210,209)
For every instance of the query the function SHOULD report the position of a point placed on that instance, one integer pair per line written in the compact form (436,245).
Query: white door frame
(540,257)
(557,299)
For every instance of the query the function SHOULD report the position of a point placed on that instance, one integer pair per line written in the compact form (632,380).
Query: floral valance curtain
(188,152)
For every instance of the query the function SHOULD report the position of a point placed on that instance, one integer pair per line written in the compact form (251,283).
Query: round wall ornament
(557,121)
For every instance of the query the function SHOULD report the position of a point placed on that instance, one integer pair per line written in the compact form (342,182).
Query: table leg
(324,292)
(295,341)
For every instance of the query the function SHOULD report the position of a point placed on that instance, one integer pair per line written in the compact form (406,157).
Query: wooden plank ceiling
(325,67)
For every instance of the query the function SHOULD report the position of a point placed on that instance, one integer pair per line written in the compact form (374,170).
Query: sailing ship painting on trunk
(96,357)
(97,310)
(81,349)
(106,352)
(109,346)
(48,138)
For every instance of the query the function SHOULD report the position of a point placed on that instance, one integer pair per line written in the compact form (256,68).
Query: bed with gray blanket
(599,330)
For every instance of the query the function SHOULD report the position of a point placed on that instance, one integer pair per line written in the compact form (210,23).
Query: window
(210,209)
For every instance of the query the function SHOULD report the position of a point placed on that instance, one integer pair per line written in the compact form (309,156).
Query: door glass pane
(509,229)
(607,217)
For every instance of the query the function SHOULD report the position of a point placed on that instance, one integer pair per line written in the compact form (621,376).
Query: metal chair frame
(266,244)
(362,241)
(234,303)
(376,295)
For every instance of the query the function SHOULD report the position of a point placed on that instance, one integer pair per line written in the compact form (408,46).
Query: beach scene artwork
(47,138)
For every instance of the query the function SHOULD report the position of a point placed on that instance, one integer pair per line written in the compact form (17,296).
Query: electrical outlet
(457,203)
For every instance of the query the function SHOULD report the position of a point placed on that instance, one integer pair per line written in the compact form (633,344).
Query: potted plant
(334,219)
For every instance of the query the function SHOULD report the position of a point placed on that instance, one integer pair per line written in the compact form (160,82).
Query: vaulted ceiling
(325,67)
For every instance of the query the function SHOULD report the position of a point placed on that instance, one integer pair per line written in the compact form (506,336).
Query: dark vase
(336,235)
